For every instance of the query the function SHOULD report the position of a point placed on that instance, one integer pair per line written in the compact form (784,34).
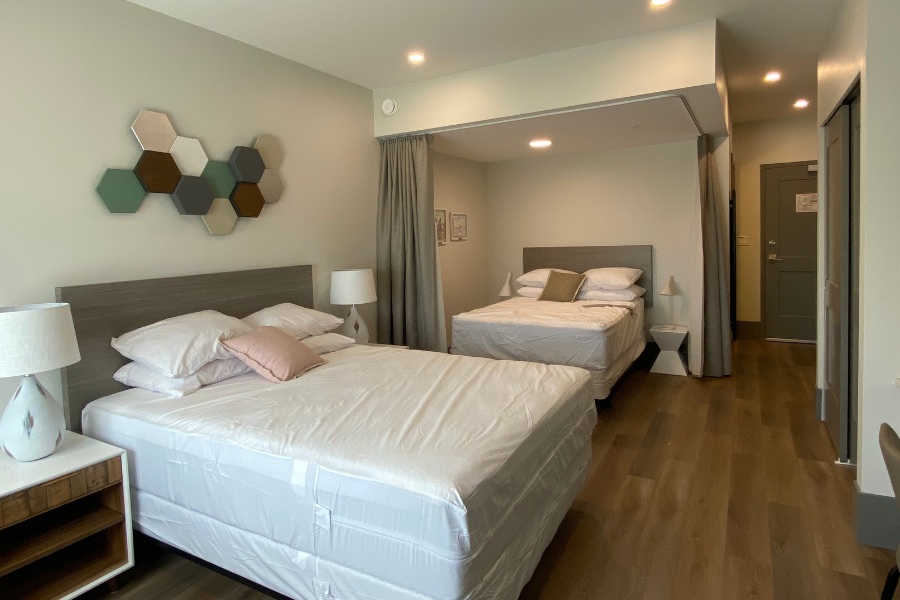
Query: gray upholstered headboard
(582,258)
(106,310)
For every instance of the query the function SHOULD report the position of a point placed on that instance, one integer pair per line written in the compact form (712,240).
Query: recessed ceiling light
(540,143)
(658,3)
(772,76)
(801,103)
(416,57)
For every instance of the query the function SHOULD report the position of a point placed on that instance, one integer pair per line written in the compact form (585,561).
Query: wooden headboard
(107,310)
(582,258)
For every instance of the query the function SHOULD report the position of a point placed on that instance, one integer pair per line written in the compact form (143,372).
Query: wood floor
(701,489)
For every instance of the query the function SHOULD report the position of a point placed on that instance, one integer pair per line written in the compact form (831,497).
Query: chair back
(890,449)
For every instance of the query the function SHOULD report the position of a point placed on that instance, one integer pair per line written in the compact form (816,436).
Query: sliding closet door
(837,281)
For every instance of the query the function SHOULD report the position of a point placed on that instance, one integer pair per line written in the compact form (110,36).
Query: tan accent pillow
(562,287)
(274,354)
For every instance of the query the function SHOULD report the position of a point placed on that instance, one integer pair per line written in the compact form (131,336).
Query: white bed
(602,337)
(384,474)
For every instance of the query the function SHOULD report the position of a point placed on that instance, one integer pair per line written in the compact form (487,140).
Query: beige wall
(75,76)
(461,186)
(758,143)
(640,195)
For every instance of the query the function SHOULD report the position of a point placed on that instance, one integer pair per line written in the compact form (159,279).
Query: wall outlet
(743,240)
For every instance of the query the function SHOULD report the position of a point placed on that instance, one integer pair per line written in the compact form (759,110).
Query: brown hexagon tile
(247,200)
(157,172)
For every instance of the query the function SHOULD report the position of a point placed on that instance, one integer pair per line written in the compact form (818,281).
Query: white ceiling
(653,121)
(366,42)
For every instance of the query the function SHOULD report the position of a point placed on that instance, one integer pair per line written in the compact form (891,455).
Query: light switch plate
(743,240)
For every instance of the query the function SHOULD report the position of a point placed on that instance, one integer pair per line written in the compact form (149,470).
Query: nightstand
(669,361)
(65,520)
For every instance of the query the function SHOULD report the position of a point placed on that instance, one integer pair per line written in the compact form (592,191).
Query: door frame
(762,243)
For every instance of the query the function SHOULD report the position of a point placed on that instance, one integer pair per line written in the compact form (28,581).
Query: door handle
(774,258)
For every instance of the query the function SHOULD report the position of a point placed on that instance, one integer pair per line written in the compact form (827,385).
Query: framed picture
(440,226)
(459,227)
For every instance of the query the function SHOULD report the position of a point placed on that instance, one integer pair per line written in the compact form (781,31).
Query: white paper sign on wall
(807,203)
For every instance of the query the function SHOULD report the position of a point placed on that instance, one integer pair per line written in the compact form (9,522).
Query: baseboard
(748,330)
(877,520)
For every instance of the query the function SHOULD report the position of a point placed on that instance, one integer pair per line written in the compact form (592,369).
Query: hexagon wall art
(221,218)
(271,186)
(218,191)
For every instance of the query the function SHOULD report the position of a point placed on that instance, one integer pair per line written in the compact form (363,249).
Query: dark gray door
(837,280)
(789,251)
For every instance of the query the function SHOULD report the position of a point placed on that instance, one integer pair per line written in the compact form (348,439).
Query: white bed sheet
(602,339)
(384,469)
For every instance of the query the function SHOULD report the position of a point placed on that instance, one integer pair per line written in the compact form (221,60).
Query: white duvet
(385,468)
(593,315)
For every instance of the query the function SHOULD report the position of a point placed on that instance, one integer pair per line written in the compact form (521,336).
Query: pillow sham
(296,321)
(538,277)
(561,287)
(274,354)
(611,278)
(328,342)
(627,295)
(179,346)
(134,374)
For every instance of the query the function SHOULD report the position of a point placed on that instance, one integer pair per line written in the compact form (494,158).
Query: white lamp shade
(35,338)
(506,290)
(352,286)
(669,289)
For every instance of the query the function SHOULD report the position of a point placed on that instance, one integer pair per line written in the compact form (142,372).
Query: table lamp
(34,338)
(669,291)
(353,286)
(506,290)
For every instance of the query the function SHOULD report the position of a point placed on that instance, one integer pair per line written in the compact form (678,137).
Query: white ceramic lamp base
(354,327)
(32,425)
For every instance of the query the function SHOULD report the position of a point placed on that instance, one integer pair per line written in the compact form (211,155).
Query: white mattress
(385,473)
(602,337)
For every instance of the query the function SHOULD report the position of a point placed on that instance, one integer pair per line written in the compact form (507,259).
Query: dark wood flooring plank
(748,511)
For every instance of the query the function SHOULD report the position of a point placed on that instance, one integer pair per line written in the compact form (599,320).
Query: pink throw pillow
(274,354)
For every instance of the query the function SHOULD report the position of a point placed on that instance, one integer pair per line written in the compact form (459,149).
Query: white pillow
(538,277)
(137,375)
(294,320)
(329,342)
(610,278)
(179,346)
(627,295)
(530,291)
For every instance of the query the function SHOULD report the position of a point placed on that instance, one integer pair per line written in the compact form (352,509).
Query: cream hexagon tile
(270,149)
(271,185)
(154,131)
(221,217)
(189,155)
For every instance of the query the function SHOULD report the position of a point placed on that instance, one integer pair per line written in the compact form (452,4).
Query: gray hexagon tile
(271,185)
(189,155)
(221,217)
(193,195)
(154,131)
(246,164)
(270,149)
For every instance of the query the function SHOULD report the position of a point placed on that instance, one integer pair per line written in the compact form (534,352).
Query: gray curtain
(410,299)
(716,302)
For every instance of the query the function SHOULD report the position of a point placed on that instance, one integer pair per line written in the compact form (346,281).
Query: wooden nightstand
(65,520)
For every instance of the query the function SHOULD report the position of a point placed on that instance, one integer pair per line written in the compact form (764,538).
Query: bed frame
(582,258)
(106,310)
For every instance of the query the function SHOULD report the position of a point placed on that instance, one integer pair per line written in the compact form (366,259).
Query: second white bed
(602,337)
(385,473)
